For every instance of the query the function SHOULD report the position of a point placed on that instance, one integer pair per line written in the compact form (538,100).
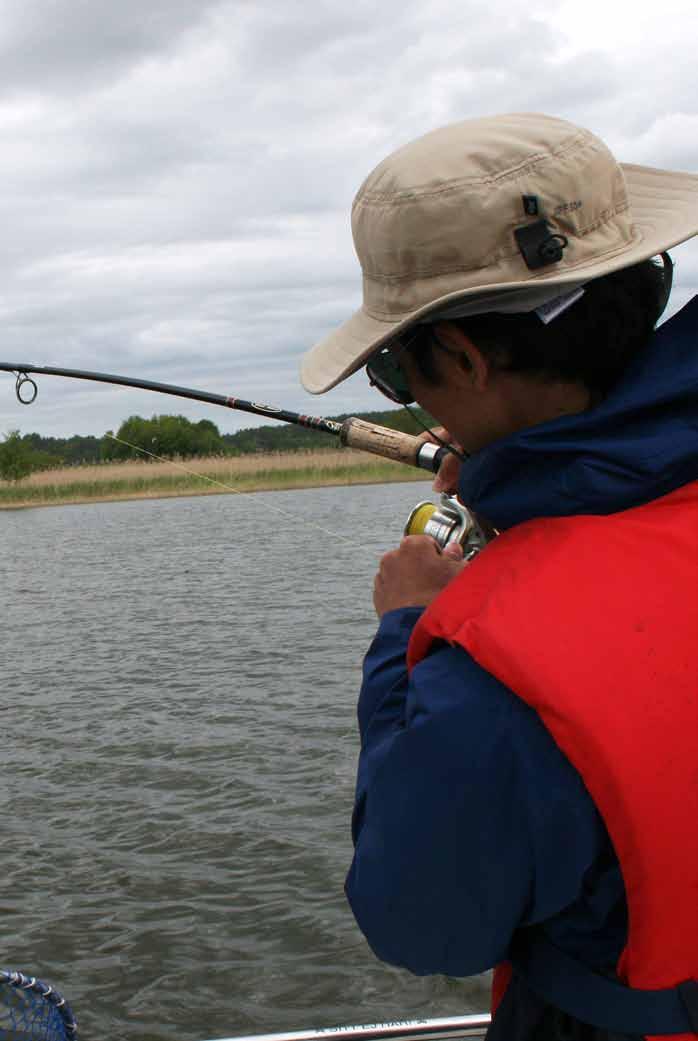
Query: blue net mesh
(30,1010)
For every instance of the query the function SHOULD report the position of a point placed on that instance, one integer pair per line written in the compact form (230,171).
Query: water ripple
(179,763)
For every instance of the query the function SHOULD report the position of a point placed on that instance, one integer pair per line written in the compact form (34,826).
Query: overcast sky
(177,175)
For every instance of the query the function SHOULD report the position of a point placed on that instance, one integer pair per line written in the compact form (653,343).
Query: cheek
(433,395)
(437,405)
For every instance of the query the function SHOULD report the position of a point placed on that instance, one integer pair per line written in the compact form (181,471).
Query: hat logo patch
(567,207)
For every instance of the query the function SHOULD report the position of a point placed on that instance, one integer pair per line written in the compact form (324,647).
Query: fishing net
(31,1010)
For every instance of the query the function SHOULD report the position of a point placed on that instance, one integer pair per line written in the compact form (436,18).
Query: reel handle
(391,444)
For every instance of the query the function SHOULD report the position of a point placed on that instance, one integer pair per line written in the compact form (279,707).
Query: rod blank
(355,433)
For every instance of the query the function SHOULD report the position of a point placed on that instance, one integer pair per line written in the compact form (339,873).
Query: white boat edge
(471,1026)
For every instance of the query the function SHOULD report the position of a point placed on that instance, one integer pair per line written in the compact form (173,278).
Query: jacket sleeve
(468,821)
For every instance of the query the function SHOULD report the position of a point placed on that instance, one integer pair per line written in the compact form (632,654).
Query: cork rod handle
(391,444)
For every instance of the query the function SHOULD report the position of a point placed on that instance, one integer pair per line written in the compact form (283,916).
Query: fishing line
(352,432)
(460,455)
(238,491)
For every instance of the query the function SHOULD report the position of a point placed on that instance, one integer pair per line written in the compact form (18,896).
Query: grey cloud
(177,176)
(669,140)
(74,43)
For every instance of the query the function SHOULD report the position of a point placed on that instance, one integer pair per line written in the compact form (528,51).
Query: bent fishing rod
(449,522)
(353,433)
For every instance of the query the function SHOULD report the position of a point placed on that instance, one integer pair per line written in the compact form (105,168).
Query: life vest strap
(574,988)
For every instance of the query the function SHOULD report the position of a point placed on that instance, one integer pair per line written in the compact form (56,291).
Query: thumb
(446,479)
(454,550)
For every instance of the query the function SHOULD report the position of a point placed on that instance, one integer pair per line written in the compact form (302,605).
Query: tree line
(170,437)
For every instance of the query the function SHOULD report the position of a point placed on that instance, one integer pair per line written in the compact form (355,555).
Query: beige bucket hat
(496,214)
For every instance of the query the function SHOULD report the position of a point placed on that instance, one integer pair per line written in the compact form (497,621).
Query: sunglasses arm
(392,444)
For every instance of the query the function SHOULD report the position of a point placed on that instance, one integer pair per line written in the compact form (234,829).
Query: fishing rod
(353,433)
(448,522)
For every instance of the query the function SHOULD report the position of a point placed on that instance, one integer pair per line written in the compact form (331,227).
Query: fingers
(454,550)
(446,479)
(414,573)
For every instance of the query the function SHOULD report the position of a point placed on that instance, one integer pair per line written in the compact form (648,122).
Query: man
(527,788)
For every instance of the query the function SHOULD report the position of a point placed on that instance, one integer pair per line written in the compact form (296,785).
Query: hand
(446,479)
(415,573)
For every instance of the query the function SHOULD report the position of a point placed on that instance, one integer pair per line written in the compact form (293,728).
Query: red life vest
(593,621)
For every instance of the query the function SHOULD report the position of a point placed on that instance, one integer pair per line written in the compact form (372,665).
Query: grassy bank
(215,475)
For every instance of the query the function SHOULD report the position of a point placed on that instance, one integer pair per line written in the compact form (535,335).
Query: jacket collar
(640,443)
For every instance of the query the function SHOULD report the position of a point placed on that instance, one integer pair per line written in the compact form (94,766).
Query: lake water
(180,680)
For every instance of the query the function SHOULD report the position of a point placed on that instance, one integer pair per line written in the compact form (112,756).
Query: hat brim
(664,207)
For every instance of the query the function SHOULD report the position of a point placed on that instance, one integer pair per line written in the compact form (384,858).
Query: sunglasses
(385,370)
(386,373)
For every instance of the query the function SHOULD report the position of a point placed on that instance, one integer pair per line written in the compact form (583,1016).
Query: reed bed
(204,476)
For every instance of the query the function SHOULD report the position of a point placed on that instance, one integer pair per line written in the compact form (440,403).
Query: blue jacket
(469,822)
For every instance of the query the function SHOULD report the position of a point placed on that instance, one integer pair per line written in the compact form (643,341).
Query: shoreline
(73,486)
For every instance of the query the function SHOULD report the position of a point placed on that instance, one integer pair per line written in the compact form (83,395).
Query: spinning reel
(448,522)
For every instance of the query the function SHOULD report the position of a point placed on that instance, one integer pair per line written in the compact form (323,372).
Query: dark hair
(593,341)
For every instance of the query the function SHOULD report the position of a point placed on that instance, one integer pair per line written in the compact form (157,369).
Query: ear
(472,360)
(477,364)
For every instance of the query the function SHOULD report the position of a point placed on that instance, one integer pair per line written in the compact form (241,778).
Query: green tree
(59,451)
(16,457)
(208,438)
(136,431)
(163,436)
(107,447)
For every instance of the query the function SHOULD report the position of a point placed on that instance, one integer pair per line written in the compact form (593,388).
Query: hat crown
(438,216)
(438,228)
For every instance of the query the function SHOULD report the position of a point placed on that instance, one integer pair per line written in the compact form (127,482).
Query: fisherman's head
(505,253)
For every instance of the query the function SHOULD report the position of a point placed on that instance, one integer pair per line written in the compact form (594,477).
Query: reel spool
(449,522)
